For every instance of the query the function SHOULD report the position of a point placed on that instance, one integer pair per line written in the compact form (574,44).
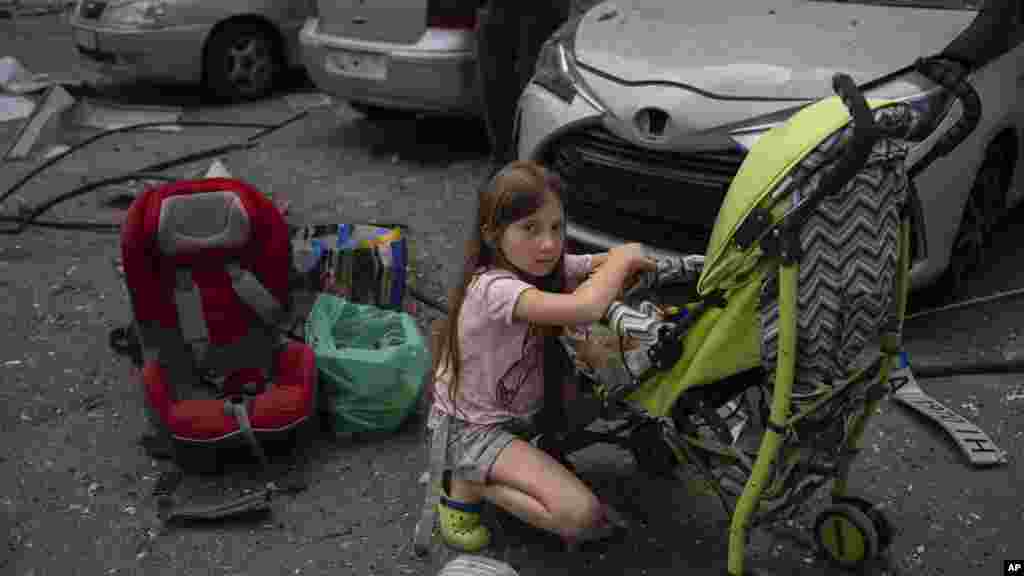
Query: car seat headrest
(195,222)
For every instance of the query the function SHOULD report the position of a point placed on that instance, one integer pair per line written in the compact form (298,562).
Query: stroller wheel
(846,536)
(883,526)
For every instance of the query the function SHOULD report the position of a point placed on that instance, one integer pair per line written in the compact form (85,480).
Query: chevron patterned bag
(848,263)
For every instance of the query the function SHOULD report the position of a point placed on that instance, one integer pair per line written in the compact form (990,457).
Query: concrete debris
(308,101)
(110,116)
(15,107)
(44,125)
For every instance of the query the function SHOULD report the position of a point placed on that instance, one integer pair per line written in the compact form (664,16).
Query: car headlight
(932,106)
(556,67)
(136,14)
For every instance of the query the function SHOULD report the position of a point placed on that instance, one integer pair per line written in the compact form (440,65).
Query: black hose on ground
(57,158)
(148,173)
(925,371)
(968,303)
(1015,366)
(265,130)
(99,227)
(275,127)
(32,218)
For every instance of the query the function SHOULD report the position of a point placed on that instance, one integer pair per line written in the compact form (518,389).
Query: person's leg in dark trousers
(534,29)
(496,39)
(509,37)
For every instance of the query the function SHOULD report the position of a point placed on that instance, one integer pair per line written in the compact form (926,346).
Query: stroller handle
(865,134)
(953,77)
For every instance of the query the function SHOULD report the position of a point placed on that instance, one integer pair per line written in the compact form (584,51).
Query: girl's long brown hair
(515,192)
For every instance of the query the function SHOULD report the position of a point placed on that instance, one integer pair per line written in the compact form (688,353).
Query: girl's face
(534,244)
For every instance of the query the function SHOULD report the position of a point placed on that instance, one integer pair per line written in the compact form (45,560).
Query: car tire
(985,207)
(242,61)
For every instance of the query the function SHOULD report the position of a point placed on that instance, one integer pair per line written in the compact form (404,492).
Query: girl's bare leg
(466,491)
(534,487)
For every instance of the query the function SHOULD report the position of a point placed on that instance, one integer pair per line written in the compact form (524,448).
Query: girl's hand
(637,263)
(635,256)
(597,350)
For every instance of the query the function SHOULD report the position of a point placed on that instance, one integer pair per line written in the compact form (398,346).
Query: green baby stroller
(795,322)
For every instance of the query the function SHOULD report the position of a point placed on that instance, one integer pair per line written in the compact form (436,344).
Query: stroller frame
(769,490)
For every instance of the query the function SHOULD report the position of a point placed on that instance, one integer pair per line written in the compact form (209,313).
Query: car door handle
(359,20)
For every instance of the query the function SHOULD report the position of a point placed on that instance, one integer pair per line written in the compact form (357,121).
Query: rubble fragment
(44,125)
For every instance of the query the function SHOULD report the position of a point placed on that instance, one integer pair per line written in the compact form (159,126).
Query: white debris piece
(971,440)
(15,79)
(218,170)
(15,107)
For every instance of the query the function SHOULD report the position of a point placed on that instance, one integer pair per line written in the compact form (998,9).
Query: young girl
(518,286)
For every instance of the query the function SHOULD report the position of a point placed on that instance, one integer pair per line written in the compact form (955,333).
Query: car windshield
(939,4)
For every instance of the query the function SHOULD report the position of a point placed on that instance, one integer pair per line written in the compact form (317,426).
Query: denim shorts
(473,448)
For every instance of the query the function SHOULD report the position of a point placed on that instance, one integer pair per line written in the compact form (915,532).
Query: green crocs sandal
(460,525)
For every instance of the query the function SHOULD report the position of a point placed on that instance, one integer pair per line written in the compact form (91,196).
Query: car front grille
(91,9)
(665,199)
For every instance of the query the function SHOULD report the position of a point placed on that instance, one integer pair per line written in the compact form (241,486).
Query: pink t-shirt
(502,370)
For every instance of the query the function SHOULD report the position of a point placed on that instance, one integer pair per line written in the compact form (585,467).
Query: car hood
(758,48)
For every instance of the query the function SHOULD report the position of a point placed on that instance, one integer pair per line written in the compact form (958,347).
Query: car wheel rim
(248,64)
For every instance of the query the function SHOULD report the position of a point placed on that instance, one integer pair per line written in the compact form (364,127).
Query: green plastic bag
(372,363)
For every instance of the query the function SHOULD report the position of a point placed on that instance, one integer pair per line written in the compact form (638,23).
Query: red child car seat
(207,266)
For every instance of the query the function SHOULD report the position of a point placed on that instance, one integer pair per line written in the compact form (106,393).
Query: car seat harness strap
(237,407)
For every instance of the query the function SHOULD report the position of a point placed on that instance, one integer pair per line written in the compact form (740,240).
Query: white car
(647,109)
(382,56)
(237,49)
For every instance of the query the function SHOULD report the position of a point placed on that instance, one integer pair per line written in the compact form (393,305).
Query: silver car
(387,55)
(647,108)
(237,49)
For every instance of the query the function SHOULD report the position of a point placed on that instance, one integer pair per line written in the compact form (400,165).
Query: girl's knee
(578,514)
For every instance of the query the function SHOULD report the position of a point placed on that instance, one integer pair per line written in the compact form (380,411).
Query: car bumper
(172,54)
(437,74)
